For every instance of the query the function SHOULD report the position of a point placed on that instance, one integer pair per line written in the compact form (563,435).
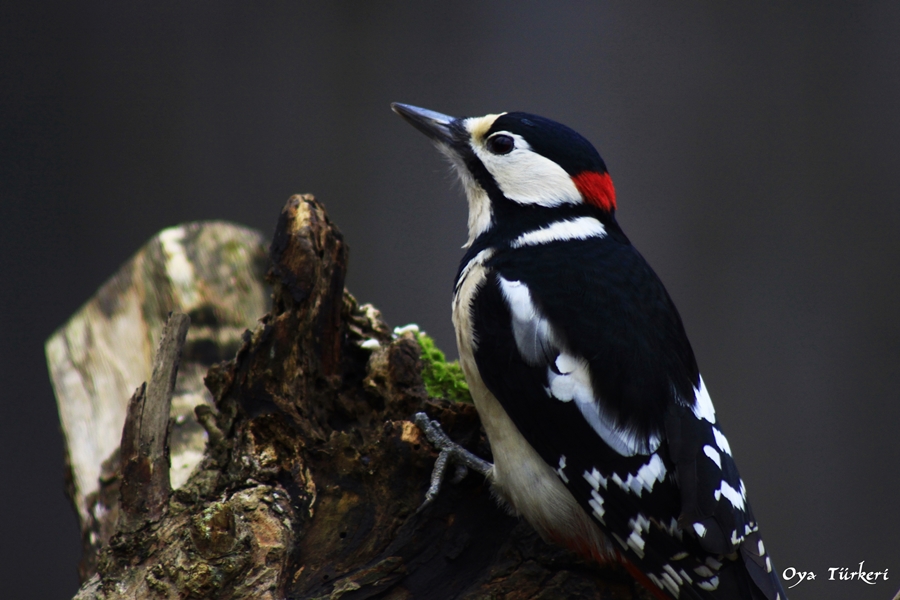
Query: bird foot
(450,451)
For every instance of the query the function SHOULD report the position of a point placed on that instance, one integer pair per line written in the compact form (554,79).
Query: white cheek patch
(525,176)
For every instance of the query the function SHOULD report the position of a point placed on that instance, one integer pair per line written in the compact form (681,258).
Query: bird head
(518,167)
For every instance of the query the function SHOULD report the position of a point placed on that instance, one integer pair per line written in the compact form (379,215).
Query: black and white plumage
(603,434)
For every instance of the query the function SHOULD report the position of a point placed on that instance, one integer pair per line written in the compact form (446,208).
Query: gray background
(754,150)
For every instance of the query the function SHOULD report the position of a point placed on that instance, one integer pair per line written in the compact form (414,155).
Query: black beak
(433,124)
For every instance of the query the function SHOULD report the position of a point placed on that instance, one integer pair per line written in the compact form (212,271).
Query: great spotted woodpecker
(603,434)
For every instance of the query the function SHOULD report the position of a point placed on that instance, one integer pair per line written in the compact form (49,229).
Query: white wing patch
(573,382)
(645,478)
(703,407)
(713,455)
(721,441)
(596,504)
(581,228)
(596,479)
(733,496)
(531,330)
(571,378)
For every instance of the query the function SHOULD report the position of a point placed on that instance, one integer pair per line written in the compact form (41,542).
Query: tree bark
(312,473)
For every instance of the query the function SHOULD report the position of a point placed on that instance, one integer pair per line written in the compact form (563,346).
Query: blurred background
(755,150)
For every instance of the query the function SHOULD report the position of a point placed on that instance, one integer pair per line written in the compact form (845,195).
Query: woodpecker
(603,433)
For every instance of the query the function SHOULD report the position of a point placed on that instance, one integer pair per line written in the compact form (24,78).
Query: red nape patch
(597,189)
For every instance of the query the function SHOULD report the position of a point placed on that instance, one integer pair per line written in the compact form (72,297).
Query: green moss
(442,379)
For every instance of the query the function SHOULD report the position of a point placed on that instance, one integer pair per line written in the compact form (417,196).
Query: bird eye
(500,144)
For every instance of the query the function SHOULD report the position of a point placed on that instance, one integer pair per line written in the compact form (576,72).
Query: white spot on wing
(596,479)
(675,576)
(731,494)
(566,364)
(640,523)
(703,407)
(670,584)
(646,477)
(703,571)
(713,455)
(596,504)
(710,585)
(561,468)
(721,441)
(653,471)
(700,529)
(573,382)
(636,543)
(581,228)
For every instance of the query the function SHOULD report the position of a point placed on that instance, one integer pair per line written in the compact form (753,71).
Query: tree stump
(313,471)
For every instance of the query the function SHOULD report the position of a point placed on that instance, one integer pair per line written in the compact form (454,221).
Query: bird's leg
(450,451)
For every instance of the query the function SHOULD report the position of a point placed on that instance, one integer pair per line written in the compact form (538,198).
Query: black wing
(599,372)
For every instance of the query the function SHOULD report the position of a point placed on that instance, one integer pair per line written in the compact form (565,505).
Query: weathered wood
(313,473)
(212,271)
(144,452)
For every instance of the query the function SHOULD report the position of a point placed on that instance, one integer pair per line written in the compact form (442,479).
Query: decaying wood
(313,471)
(144,452)
(212,271)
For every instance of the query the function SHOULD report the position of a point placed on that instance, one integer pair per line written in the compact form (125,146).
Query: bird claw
(449,451)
